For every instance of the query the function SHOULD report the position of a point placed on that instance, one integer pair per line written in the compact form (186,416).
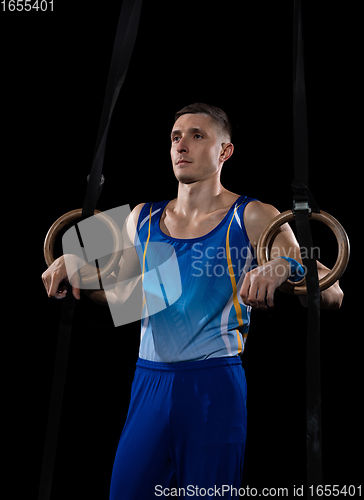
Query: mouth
(183,162)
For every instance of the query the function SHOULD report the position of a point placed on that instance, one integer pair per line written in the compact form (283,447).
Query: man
(186,425)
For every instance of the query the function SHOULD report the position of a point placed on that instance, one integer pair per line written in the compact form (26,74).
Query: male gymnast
(186,425)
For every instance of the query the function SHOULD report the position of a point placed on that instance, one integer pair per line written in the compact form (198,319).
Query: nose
(182,146)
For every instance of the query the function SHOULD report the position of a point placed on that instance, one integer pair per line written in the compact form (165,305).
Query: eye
(175,138)
(198,136)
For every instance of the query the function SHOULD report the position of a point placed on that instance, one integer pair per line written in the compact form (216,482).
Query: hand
(63,270)
(260,284)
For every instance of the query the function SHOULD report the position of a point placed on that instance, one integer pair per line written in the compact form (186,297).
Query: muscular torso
(194,225)
(180,225)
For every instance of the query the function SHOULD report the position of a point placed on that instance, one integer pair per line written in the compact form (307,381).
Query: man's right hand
(63,270)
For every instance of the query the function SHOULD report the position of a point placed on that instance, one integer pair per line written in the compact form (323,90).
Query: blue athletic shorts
(185,429)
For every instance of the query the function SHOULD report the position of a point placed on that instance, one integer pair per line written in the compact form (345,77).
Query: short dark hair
(216,113)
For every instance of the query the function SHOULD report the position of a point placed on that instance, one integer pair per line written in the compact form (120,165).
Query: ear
(227,149)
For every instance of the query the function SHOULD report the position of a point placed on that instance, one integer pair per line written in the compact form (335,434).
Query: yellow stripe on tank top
(145,249)
(233,284)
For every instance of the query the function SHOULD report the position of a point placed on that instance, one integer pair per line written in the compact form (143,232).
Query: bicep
(129,265)
(285,244)
(257,216)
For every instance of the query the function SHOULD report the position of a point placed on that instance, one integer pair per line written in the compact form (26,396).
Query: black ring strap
(123,47)
(303,204)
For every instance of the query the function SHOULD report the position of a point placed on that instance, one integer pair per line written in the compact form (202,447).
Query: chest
(183,227)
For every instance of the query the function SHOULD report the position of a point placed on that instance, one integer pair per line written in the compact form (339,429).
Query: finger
(245,289)
(60,294)
(75,282)
(56,280)
(254,291)
(45,282)
(261,298)
(270,297)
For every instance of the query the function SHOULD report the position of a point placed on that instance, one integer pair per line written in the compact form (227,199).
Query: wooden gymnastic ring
(342,260)
(72,217)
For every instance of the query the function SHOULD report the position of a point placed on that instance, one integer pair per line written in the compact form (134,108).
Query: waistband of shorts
(189,365)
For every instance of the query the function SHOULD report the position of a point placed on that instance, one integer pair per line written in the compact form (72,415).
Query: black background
(239,57)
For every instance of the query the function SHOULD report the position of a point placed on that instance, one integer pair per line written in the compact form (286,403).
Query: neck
(200,197)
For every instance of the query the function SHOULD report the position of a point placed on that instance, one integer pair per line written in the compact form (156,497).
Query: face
(197,150)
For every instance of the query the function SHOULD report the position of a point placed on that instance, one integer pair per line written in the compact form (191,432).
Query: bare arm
(127,274)
(260,284)
(332,297)
(69,268)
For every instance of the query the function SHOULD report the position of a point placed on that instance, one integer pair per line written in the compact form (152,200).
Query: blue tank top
(192,309)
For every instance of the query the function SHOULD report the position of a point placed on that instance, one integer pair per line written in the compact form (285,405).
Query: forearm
(332,297)
(118,286)
(256,217)
(97,296)
(117,293)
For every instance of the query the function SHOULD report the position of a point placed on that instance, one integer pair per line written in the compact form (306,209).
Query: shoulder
(256,210)
(134,216)
(256,217)
(136,211)
(132,221)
